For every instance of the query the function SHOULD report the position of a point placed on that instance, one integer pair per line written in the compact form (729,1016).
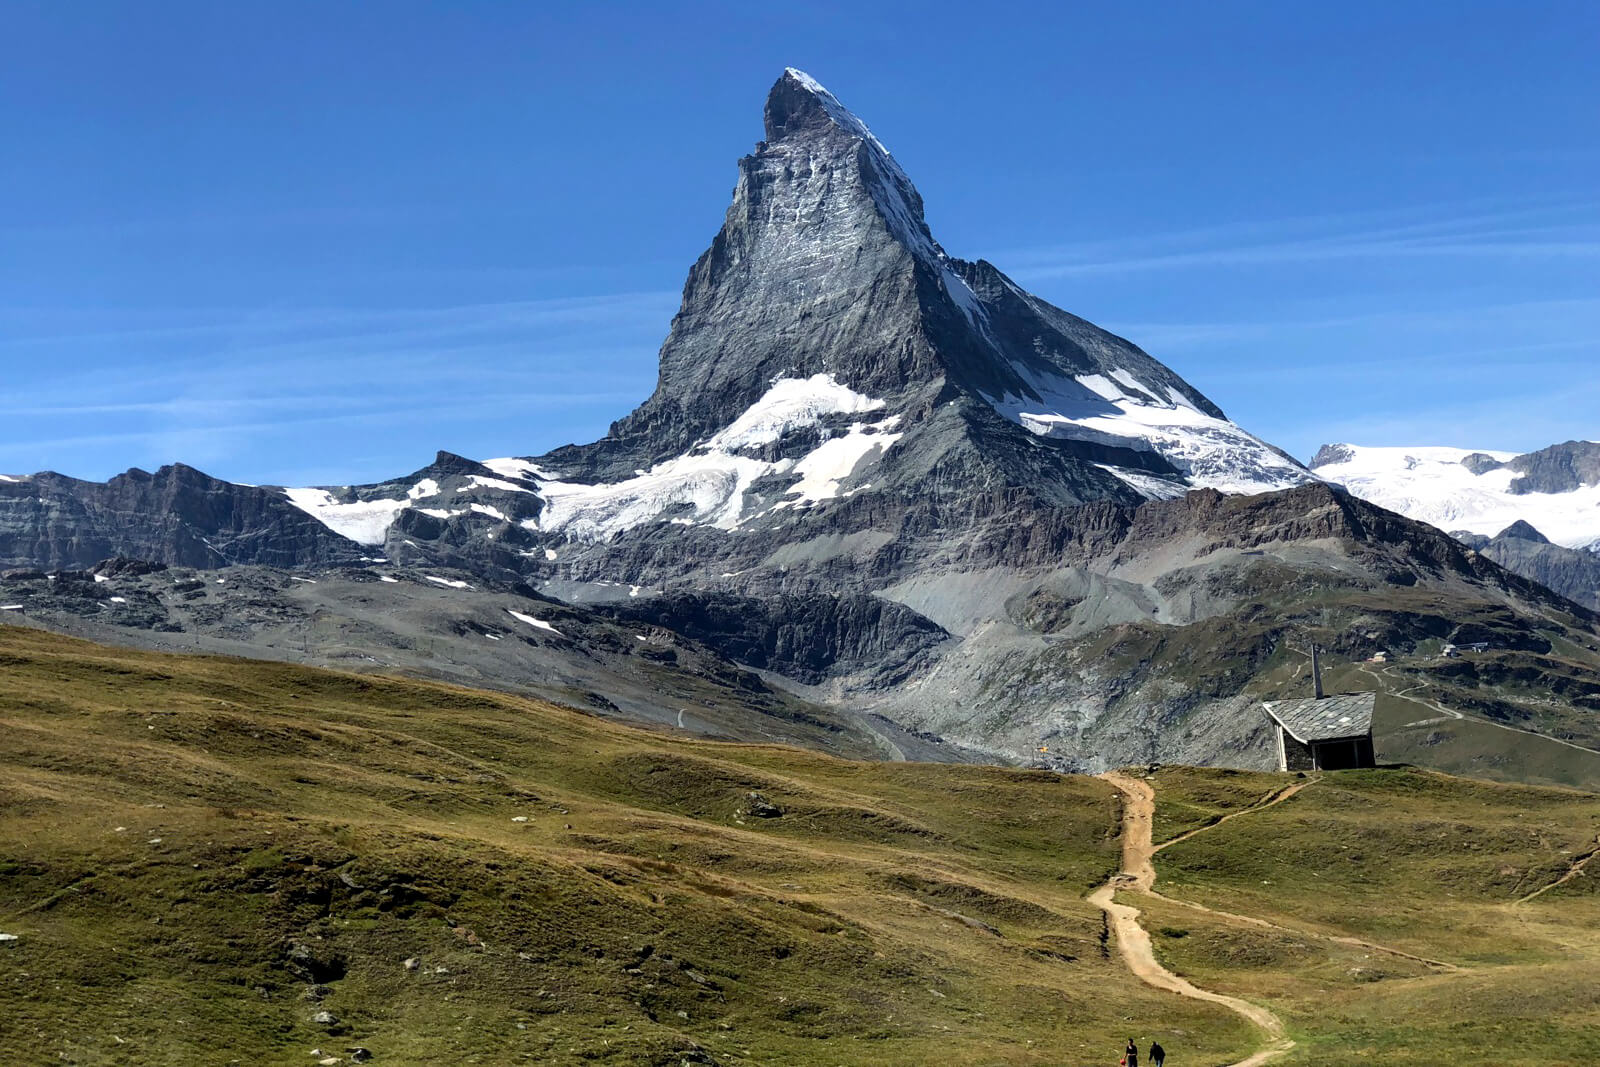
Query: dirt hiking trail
(1133,942)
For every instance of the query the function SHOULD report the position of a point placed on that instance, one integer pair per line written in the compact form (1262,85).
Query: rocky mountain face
(1521,549)
(898,485)
(177,515)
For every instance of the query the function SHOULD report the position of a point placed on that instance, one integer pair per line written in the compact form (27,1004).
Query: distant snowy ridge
(1440,486)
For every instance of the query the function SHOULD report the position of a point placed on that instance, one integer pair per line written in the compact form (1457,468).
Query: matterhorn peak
(826,279)
(799,102)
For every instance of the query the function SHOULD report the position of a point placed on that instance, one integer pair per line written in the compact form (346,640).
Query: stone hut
(1323,733)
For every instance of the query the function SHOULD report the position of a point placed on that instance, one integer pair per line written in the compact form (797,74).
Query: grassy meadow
(200,855)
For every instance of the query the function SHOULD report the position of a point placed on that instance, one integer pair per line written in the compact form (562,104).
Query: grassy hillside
(1415,862)
(198,855)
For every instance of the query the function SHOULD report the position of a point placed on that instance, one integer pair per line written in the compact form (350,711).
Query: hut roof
(1330,718)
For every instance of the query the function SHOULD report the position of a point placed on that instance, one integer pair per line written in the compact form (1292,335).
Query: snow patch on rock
(1122,411)
(791,403)
(823,468)
(363,521)
(511,467)
(710,481)
(1147,484)
(478,481)
(531,621)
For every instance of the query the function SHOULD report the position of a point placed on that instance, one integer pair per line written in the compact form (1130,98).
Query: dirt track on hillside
(1139,873)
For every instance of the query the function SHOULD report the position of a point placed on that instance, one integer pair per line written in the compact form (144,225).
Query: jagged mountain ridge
(1522,549)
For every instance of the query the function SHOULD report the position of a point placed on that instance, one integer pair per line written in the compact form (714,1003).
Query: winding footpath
(1133,942)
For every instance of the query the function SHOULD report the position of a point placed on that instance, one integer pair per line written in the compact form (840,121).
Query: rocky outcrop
(1572,572)
(1557,469)
(178,515)
(807,638)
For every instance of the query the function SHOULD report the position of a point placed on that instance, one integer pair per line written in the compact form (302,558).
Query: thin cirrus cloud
(1321,238)
(260,392)
(32,327)
(1577,318)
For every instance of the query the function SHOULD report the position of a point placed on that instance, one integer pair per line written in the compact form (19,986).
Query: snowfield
(1211,453)
(1431,485)
(707,485)
(365,522)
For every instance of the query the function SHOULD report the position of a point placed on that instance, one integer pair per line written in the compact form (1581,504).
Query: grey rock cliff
(178,515)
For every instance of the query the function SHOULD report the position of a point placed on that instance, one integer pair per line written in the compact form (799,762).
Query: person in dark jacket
(1130,1055)
(1158,1055)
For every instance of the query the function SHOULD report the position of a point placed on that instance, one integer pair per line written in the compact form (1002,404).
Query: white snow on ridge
(705,486)
(448,583)
(712,485)
(515,468)
(478,481)
(711,480)
(965,299)
(1148,484)
(824,467)
(365,521)
(789,404)
(1124,412)
(1430,485)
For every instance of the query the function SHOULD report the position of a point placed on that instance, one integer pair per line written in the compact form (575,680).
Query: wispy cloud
(323,324)
(1320,238)
(209,386)
(1579,316)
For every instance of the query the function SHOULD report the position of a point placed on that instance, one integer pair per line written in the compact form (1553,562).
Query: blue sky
(303,243)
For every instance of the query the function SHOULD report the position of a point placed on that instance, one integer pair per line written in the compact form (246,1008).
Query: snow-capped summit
(1556,490)
(827,346)
(825,265)
(831,369)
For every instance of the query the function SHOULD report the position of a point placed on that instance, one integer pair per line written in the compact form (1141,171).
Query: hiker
(1158,1055)
(1130,1057)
